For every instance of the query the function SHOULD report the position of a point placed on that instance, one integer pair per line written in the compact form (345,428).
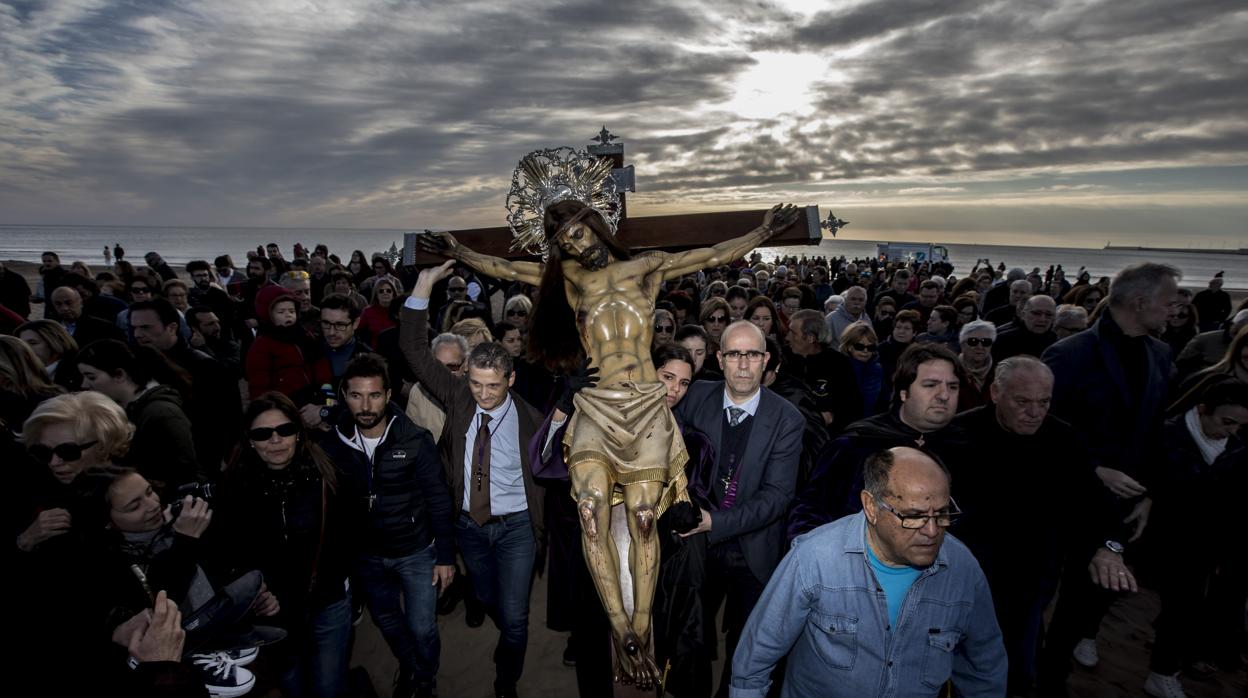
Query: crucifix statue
(622,445)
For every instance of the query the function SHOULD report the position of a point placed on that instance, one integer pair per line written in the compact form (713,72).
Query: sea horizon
(180,244)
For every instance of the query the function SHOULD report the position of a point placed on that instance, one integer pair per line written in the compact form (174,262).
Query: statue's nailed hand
(583,377)
(443,244)
(430,276)
(780,216)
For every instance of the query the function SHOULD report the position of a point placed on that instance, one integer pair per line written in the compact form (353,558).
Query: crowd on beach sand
(216,463)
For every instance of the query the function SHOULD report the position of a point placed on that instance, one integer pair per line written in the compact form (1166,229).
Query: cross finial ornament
(833,224)
(604,136)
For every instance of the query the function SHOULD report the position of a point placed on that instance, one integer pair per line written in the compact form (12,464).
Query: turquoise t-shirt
(896,582)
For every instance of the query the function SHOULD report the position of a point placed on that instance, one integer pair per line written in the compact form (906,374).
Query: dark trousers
(500,556)
(728,579)
(319,667)
(411,629)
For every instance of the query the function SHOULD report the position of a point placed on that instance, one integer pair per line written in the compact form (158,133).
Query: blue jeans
(500,557)
(412,635)
(320,664)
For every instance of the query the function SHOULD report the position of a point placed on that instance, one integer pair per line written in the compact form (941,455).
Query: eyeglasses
(664,328)
(753,356)
(717,319)
(984,342)
(517,312)
(67,452)
(338,326)
(285,430)
(859,346)
(385,290)
(139,289)
(917,521)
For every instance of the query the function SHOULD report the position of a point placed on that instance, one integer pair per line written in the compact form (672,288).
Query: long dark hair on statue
(554,340)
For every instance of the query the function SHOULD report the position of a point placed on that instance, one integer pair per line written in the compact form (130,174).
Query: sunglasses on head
(67,452)
(978,342)
(859,346)
(265,433)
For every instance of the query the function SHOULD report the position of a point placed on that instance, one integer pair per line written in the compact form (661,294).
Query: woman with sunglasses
(151,391)
(860,344)
(71,438)
(714,318)
(517,310)
(377,317)
(976,339)
(279,508)
(71,442)
(664,328)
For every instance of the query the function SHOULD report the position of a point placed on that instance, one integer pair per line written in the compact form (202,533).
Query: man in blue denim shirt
(878,603)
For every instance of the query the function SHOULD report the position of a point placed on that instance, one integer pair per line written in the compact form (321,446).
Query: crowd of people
(227,465)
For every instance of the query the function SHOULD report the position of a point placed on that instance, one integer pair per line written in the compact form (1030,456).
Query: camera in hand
(196,490)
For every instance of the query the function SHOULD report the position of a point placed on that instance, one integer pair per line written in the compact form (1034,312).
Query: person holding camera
(280,512)
(148,546)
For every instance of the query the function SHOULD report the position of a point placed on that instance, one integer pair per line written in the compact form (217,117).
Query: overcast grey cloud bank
(391,114)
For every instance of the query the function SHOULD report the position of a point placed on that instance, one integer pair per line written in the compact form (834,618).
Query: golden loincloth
(630,428)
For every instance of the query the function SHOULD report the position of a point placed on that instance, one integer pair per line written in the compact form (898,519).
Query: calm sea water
(180,245)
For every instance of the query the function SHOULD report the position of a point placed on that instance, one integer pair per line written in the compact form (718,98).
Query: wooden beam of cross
(670,233)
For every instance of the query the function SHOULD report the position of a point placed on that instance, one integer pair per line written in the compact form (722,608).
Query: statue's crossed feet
(634,664)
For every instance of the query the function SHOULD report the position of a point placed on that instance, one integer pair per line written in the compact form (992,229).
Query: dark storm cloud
(372,113)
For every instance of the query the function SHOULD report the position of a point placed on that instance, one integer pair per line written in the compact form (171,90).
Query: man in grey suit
(758,439)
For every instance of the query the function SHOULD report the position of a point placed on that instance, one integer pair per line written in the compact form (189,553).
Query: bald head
(1038,314)
(68,304)
(902,486)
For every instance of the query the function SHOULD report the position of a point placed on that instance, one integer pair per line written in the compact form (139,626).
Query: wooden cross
(673,233)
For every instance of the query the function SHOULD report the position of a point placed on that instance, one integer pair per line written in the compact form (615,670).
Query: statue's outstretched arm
(445,244)
(778,218)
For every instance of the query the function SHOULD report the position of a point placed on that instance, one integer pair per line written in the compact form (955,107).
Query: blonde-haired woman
(861,345)
(474,330)
(55,348)
(73,438)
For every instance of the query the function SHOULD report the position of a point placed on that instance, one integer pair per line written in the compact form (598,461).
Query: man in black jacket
(1009,508)
(400,511)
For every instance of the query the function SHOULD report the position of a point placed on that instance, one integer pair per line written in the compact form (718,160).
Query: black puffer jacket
(397,502)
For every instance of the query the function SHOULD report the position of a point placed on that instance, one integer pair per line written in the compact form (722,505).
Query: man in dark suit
(1111,383)
(67,303)
(485,445)
(758,440)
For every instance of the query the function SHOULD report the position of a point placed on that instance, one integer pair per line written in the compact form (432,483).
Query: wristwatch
(324,413)
(1114,546)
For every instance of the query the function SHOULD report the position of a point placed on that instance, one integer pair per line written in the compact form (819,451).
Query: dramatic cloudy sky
(1044,121)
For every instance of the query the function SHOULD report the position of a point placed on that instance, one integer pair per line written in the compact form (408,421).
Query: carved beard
(595,258)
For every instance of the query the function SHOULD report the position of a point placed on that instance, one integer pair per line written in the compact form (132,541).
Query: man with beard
(622,443)
(259,270)
(925,399)
(1023,554)
(397,501)
(207,336)
(202,292)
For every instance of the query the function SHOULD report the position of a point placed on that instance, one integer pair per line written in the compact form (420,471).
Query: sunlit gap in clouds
(778,84)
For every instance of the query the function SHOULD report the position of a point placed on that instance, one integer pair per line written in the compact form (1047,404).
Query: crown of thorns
(546,177)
